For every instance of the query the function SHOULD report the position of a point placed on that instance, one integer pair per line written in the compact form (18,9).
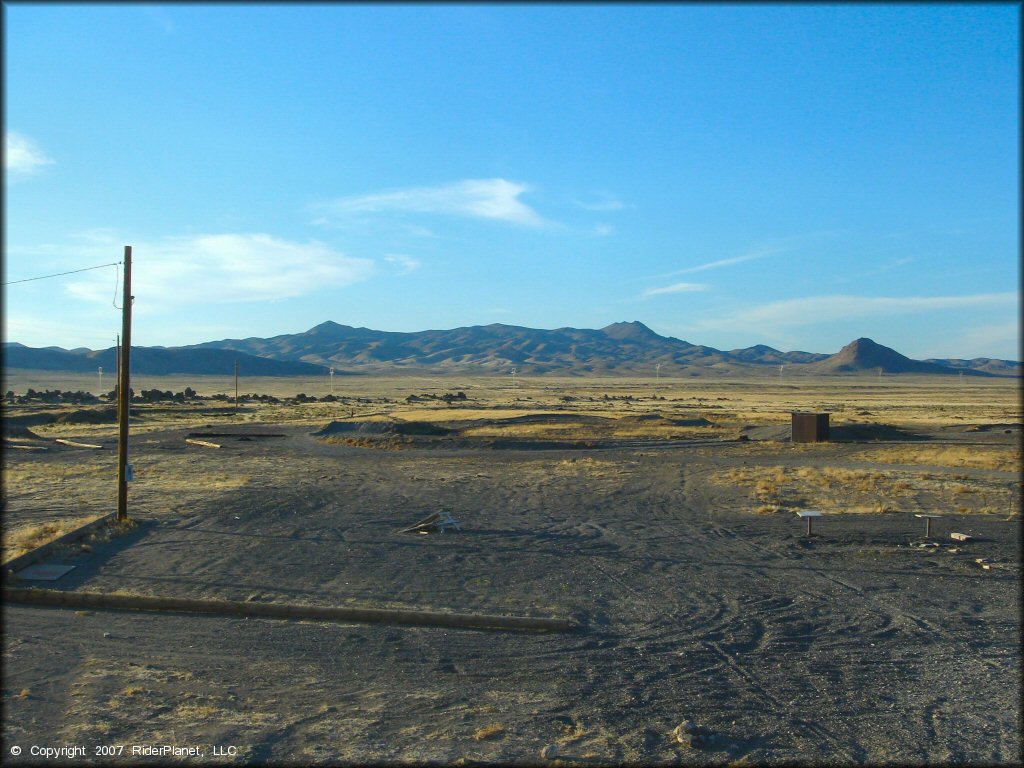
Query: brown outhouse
(810,427)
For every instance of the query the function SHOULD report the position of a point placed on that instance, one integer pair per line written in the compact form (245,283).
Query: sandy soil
(850,646)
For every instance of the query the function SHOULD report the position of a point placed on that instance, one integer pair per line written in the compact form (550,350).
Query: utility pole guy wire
(61,274)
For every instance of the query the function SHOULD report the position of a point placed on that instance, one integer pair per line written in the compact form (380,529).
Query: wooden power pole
(123,386)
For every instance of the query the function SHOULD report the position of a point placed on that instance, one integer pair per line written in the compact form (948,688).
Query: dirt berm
(367,428)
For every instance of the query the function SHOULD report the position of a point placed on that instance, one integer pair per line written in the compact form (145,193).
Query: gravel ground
(852,646)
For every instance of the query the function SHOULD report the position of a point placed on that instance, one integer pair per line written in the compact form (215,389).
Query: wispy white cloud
(605,202)
(675,288)
(406,263)
(604,230)
(1000,340)
(492,199)
(22,155)
(750,256)
(813,310)
(26,327)
(178,271)
(880,270)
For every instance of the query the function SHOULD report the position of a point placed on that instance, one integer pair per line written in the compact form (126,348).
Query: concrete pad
(44,572)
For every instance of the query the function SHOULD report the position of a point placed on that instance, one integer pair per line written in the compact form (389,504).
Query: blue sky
(797,176)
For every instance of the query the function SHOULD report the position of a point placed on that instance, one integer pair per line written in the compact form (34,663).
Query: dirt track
(848,647)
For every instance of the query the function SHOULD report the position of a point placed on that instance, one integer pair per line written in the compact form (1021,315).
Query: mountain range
(154,361)
(626,348)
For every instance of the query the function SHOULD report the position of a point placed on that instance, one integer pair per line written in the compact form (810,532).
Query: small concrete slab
(961,536)
(43,572)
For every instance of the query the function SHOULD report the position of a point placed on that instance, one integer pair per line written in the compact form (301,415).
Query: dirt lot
(650,521)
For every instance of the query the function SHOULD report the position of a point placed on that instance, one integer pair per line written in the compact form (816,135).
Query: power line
(59,274)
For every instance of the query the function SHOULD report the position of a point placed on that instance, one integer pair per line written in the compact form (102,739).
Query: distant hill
(984,364)
(154,361)
(620,348)
(865,355)
(764,355)
(626,348)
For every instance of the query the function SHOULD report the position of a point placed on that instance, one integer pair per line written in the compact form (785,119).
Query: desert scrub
(1006,459)
(67,487)
(30,536)
(179,475)
(592,466)
(838,489)
(863,481)
(764,482)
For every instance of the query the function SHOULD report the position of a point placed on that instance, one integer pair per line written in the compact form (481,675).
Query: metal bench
(809,514)
(436,521)
(928,523)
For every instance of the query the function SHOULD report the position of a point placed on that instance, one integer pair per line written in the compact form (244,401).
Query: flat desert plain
(659,515)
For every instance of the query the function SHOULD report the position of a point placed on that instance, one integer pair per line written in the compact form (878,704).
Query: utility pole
(124,378)
(101,382)
(236,387)
(332,381)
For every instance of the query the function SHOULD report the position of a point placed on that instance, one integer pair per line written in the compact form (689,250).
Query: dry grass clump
(838,489)
(1006,459)
(182,478)
(115,696)
(68,487)
(383,443)
(32,535)
(492,731)
(672,432)
(592,466)
(573,730)
(557,431)
(193,712)
(770,480)
(27,537)
(862,481)
(771,486)
(612,430)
